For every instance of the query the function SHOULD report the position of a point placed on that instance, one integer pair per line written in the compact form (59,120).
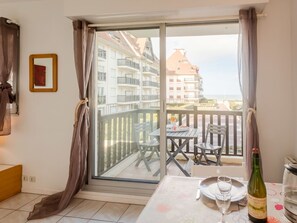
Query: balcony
(117,148)
(102,53)
(127,98)
(150,70)
(150,84)
(150,97)
(148,56)
(101,76)
(191,80)
(128,64)
(190,89)
(128,81)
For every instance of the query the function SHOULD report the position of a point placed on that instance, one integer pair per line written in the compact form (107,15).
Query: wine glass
(224,184)
(223,202)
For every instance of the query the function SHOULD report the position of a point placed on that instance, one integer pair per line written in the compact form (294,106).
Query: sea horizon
(223,97)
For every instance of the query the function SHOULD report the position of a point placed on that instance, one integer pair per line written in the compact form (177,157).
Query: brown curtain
(248,75)
(9,59)
(84,40)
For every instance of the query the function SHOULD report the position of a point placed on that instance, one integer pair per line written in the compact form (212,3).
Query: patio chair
(145,144)
(208,148)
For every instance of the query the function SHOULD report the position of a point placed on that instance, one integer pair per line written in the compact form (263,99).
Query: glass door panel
(128,105)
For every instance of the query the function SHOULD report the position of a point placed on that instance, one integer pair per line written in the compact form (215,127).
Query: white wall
(41,134)
(275,88)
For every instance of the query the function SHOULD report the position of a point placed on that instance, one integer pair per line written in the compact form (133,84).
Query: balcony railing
(150,83)
(148,56)
(102,53)
(101,76)
(116,132)
(128,80)
(128,98)
(101,100)
(191,79)
(128,63)
(150,70)
(150,97)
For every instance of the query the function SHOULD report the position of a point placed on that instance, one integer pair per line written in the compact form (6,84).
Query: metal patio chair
(207,148)
(146,145)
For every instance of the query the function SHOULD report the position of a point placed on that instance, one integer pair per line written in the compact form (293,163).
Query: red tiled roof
(178,63)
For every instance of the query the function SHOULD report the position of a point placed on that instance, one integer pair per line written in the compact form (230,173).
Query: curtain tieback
(81,102)
(251,111)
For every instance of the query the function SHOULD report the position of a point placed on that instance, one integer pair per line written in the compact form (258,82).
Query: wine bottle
(257,196)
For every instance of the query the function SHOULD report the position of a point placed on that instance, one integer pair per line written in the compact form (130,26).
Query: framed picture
(43,72)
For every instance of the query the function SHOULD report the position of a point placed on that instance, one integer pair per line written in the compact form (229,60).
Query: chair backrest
(209,171)
(216,130)
(141,132)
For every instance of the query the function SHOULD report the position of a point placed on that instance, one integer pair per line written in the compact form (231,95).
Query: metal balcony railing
(128,81)
(150,83)
(150,97)
(128,63)
(150,70)
(128,98)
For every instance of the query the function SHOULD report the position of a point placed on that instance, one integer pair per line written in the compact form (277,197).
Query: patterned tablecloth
(174,201)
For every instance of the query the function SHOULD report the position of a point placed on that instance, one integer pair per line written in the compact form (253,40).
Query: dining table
(183,133)
(174,201)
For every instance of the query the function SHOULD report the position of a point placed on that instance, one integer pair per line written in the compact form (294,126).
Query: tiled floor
(16,210)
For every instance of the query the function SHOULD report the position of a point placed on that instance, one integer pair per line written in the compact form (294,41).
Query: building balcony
(127,98)
(190,89)
(150,70)
(194,80)
(151,58)
(119,153)
(101,76)
(102,53)
(150,97)
(150,84)
(128,81)
(128,64)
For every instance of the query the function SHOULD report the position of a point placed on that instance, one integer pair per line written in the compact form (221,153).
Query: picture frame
(43,72)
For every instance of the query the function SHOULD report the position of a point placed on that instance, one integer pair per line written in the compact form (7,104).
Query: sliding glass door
(151,83)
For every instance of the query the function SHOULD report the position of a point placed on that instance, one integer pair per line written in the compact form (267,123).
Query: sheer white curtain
(248,77)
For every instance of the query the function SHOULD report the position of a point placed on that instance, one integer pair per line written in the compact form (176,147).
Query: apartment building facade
(128,74)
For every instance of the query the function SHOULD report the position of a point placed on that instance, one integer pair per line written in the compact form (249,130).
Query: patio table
(191,133)
(175,201)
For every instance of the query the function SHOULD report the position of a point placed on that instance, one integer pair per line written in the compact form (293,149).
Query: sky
(216,57)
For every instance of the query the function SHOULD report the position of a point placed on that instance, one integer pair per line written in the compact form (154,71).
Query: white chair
(145,143)
(209,171)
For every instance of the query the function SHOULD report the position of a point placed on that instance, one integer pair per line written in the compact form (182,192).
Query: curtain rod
(217,19)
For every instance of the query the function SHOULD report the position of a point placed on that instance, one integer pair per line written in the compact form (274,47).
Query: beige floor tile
(15,217)
(30,205)
(72,220)
(18,201)
(111,212)
(74,203)
(132,213)
(86,209)
(52,219)
(4,212)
